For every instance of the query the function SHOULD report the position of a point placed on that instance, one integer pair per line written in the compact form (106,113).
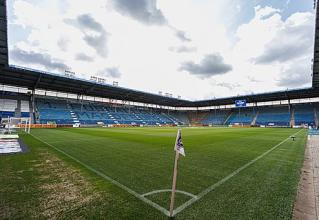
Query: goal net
(13,125)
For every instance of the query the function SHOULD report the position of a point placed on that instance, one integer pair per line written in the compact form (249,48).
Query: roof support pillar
(37,82)
(32,107)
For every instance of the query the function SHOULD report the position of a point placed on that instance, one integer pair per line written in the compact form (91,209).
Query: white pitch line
(212,187)
(78,140)
(132,192)
(169,190)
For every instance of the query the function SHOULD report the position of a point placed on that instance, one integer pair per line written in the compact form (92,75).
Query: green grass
(142,160)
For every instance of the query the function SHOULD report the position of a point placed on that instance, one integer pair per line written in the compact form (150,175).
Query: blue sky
(197,49)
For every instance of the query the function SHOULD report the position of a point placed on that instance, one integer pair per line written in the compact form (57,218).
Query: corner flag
(179,146)
(179,149)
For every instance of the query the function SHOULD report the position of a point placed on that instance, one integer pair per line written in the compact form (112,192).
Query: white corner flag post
(179,149)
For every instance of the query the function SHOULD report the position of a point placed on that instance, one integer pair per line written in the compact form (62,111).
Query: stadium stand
(54,110)
(217,117)
(197,117)
(181,117)
(304,114)
(63,112)
(242,116)
(273,115)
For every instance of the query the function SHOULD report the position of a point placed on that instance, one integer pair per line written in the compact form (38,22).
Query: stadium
(74,148)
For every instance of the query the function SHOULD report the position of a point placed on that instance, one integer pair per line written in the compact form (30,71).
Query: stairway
(173,119)
(255,119)
(139,118)
(73,115)
(228,117)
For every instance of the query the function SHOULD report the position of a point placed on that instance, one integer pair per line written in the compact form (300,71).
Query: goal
(13,125)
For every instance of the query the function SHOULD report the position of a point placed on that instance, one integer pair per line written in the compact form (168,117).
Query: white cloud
(262,13)
(210,65)
(267,49)
(147,57)
(291,40)
(144,11)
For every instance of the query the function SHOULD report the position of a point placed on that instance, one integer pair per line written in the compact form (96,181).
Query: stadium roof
(33,79)
(40,80)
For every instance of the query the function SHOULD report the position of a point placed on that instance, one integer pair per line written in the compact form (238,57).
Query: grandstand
(134,158)
(242,116)
(274,116)
(217,117)
(64,112)
(61,111)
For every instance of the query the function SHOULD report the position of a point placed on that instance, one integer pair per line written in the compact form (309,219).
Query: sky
(196,49)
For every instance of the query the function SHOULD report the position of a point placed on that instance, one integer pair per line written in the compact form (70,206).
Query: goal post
(14,124)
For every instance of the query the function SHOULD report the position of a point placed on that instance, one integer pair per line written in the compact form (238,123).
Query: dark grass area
(44,184)
(142,159)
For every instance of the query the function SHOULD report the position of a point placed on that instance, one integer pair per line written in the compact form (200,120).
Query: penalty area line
(212,187)
(120,185)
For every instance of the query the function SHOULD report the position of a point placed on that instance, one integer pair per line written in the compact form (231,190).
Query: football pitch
(228,173)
